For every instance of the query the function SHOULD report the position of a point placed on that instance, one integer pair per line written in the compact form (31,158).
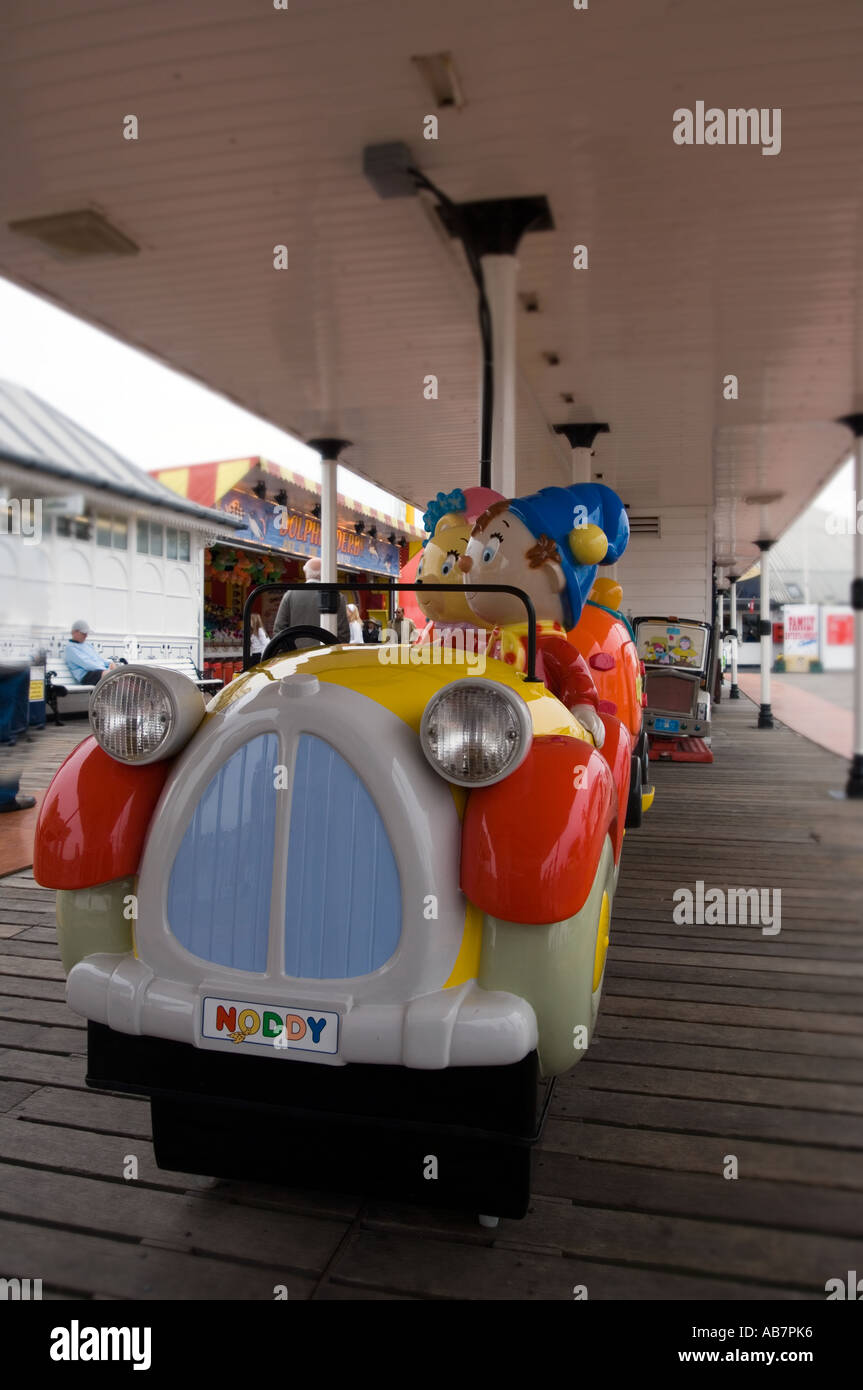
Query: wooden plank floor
(713,1041)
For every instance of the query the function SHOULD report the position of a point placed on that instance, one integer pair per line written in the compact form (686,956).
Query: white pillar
(717,629)
(501,278)
(329,532)
(765,714)
(329,448)
(855,776)
(581,465)
(734,693)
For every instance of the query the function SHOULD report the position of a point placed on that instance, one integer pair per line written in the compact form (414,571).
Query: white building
(84,533)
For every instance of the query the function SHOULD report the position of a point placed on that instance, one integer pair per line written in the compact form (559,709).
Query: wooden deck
(713,1041)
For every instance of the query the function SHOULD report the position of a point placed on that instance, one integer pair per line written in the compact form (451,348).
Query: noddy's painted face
(502,550)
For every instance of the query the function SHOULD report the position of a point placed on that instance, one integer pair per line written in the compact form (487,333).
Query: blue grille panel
(220,886)
(343,914)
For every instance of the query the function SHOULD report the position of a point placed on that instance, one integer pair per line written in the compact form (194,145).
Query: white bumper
(465,1026)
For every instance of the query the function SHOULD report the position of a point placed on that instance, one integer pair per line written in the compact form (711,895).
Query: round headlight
(142,715)
(475,732)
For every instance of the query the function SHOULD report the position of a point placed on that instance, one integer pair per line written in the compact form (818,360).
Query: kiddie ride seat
(345,923)
(678,658)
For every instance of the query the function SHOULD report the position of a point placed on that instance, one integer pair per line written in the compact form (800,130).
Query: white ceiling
(703,260)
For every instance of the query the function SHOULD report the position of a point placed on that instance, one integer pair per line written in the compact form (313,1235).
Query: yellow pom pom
(607,592)
(589,544)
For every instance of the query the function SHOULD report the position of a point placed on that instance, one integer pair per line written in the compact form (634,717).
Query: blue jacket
(81,657)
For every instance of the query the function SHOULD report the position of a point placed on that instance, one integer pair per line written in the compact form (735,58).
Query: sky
(157,417)
(838,496)
(148,412)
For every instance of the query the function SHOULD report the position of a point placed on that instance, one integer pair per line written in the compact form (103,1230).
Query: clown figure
(549,545)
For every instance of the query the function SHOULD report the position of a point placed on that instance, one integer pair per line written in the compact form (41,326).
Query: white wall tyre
(557,968)
(603,930)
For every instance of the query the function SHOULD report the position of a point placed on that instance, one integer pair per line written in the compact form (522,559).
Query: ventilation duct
(644,526)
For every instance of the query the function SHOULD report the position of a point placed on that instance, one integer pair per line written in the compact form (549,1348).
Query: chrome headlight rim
(517,705)
(186,709)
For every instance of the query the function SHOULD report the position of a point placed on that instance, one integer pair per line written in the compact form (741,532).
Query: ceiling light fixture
(438,72)
(84,232)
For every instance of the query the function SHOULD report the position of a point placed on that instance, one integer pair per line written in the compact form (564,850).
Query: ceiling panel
(703,261)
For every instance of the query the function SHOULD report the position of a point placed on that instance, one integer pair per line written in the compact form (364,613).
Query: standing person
(371,631)
(303,608)
(259,638)
(405,628)
(86,666)
(355,624)
(14,688)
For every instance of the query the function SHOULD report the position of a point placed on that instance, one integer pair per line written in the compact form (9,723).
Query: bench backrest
(62,674)
(183,664)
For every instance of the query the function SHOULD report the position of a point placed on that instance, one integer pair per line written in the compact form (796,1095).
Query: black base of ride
(634,814)
(765,717)
(854,786)
(370,1130)
(639,781)
(734,693)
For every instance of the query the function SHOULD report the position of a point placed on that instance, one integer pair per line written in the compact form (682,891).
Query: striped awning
(208,483)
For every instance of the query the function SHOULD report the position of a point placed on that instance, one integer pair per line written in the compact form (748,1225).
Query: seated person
(86,666)
(303,609)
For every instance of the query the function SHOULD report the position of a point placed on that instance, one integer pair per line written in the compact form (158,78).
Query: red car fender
(94,819)
(531,843)
(617,751)
(605,643)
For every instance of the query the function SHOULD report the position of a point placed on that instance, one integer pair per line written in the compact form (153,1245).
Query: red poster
(840,629)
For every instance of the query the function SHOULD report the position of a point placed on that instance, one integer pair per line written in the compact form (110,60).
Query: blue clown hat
(569,516)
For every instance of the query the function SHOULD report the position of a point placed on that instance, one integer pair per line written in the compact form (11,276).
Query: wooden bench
(185,665)
(60,685)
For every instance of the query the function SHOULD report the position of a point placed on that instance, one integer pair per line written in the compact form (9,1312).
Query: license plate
(670,726)
(277,1026)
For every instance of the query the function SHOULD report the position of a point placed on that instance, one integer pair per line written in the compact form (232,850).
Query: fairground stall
(280,513)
